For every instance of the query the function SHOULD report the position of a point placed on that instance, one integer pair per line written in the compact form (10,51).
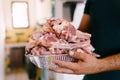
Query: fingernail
(55,61)
(71,53)
(80,51)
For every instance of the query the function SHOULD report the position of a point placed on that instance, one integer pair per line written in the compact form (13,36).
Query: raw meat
(59,37)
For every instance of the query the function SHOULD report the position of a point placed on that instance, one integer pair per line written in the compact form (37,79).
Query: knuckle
(61,64)
(75,70)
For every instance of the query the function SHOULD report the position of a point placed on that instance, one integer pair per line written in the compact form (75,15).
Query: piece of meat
(54,21)
(65,30)
(39,51)
(47,39)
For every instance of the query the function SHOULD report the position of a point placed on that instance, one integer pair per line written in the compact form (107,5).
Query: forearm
(110,63)
(84,25)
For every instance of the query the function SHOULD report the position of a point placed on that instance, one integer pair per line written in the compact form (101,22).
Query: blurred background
(19,19)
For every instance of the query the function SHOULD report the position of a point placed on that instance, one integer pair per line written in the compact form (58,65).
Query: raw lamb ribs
(59,37)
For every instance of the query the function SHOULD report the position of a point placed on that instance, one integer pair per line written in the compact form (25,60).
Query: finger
(62,70)
(80,56)
(69,65)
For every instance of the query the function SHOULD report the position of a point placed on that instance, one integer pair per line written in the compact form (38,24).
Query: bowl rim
(26,54)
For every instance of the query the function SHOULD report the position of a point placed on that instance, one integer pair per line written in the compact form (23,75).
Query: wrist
(101,67)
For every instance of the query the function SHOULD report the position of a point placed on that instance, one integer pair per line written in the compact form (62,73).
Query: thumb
(80,56)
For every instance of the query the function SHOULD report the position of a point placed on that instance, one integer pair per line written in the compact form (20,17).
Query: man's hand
(86,64)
